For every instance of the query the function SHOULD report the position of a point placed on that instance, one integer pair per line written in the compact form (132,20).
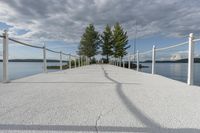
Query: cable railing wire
(165,48)
(25,44)
(38,47)
(52,51)
(196,40)
(147,52)
(172,46)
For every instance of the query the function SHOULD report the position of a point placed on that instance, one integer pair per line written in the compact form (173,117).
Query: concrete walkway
(99,98)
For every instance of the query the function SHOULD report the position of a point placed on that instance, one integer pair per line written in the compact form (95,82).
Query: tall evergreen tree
(89,43)
(120,41)
(107,42)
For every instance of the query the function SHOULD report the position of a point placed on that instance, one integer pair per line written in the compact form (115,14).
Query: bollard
(5,57)
(138,62)
(190,79)
(153,59)
(123,63)
(44,60)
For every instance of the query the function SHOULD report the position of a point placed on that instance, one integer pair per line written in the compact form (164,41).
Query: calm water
(177,71)
(23,69)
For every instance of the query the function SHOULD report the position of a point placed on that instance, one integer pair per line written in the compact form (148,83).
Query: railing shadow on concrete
(152,126)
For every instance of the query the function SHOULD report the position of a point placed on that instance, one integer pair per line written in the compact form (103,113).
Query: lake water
(177,71)
(23,69)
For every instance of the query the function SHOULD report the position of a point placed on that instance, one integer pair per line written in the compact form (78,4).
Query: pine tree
(89,43)
(107,42)
(120,41)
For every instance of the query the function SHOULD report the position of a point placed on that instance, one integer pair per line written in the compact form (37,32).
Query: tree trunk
(107,58)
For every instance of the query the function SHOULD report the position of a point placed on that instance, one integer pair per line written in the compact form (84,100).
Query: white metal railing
(191,41)
(75,58)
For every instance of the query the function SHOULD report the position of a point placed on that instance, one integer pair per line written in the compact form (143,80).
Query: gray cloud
(66,19)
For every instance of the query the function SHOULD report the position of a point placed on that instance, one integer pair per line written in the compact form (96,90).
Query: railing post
(129,62)
(138,61)
(191,60)
(5,57)
(60,60)
(70,63)
(123,63)
(44,60)
(153,59)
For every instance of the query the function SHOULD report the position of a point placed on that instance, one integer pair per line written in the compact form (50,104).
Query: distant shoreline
(31,60)
(196,60)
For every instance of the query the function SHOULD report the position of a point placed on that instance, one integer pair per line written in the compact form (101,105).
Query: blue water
(23,69)
(177,71)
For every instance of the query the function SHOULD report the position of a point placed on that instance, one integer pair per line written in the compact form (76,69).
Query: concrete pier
(99,98)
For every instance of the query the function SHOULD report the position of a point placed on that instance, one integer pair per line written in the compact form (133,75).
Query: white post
(60,60)
(138,61)
(123,63)
(153,59)
(5,57)
(191,60)
(44,60)
(129,62)
(70,63)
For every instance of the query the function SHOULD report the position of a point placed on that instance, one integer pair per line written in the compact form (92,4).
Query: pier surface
(99,98)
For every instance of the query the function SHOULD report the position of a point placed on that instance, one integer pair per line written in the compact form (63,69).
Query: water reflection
(177,71)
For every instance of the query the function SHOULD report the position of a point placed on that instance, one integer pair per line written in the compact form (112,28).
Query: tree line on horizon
(113,42)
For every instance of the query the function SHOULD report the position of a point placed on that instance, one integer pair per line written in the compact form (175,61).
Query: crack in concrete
(100,117)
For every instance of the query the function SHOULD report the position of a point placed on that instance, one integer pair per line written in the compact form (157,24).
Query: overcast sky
(63,21)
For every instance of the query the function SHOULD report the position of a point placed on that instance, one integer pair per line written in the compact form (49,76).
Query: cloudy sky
(60,23)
